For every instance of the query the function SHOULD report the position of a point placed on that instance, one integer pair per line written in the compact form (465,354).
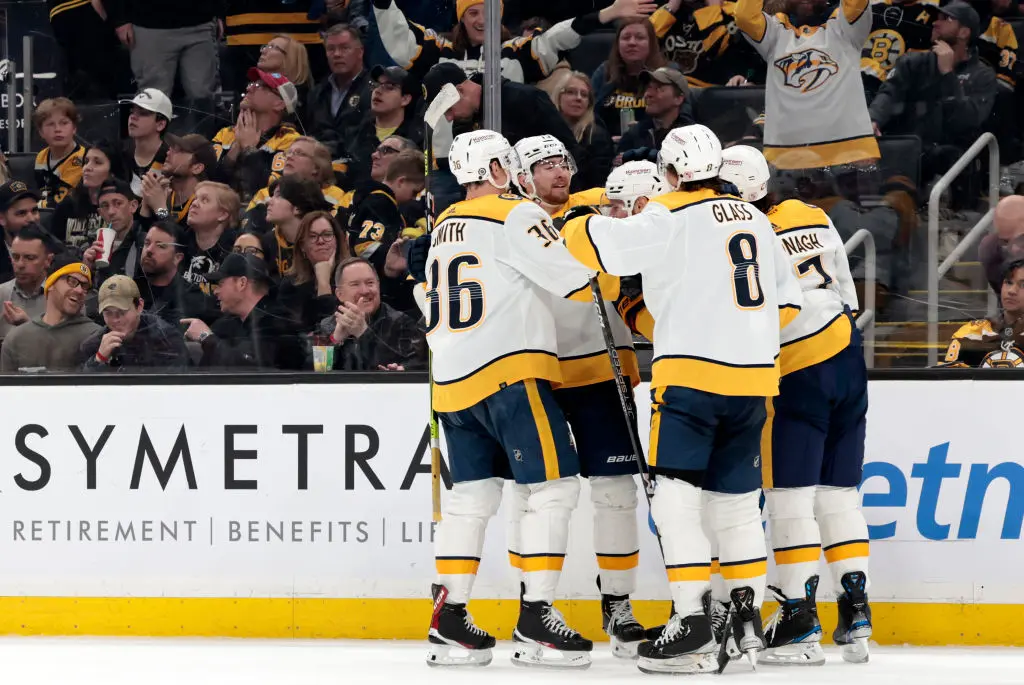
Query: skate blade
(679,665)
(857,652)
(532,655)
(796,654)
(623,649)
(456,657)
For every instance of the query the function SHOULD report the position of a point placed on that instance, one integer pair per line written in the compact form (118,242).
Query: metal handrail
(935,273)
(12,106)
(866,320)
(27,82)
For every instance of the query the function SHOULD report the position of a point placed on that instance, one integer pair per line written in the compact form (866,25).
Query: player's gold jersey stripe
(767,477)
(547,438)
(659,399)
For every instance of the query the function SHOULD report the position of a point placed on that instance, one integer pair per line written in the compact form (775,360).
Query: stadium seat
(1018,27)
(901,156)
(592,51)
(22,166)
(729,112)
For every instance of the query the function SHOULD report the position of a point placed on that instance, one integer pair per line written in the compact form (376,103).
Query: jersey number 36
(457,299)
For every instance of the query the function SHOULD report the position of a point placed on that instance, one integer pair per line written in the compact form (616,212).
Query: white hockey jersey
(715,279)
(582,354)
(815,111)
(816,251)
(492,263)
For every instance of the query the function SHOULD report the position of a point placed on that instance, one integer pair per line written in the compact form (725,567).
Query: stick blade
(444,101)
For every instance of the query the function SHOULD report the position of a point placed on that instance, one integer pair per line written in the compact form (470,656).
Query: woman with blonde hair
(573,96)
(284,55)
(618,95)
(307,289)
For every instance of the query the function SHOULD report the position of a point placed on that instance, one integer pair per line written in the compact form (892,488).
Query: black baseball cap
(441,74)
(236,265)
(965,14)
(118,187)
(12,191)
(400,77)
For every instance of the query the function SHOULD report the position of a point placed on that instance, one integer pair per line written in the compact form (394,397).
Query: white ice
(130,661)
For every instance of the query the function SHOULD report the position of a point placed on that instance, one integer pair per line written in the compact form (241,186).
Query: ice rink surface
(117,661)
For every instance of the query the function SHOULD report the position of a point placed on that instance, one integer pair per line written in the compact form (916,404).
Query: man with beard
(163,290)
(132,340)
(665,91)
(190,160)
(212,219)
(51,342)
(19,207)
(252,332)
(22,296)
(151,113)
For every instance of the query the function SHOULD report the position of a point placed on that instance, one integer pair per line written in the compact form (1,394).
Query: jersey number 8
(465,297)
(746,283)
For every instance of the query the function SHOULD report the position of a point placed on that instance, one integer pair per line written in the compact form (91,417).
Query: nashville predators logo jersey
(493,265)
(57,178)
(807,70)
(818,258)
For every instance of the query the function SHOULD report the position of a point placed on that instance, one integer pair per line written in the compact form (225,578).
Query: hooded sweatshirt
(37,344)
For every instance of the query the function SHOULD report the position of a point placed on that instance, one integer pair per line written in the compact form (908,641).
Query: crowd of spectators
(246,246)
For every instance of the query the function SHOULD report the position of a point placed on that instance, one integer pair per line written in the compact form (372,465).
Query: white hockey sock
(517,502)
(544,535)
(718,589)
(794,537)
(844,532)
(742,556)
(615,536)
(459,539)
(677,513)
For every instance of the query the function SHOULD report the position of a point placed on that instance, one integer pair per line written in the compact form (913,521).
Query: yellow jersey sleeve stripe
(595,368)
(716,377)
(485,381)
(742,570)
(457,566)
(847,550)
(547,438)
(683,573)
(542,562)
(788,314)
(618,562)
(803,554)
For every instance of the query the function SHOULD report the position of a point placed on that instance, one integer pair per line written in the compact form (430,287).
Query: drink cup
(106,238)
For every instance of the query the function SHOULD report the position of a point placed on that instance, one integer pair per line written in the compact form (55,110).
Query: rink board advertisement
(314,500)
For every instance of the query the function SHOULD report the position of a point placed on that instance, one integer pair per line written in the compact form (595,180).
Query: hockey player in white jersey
(631,186)
(494,262)
(813,443)
(719,288)
(588,396)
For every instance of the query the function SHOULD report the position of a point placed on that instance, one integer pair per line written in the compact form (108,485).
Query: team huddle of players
(758,383)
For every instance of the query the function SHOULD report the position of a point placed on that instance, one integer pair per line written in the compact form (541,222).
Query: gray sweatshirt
(36,344)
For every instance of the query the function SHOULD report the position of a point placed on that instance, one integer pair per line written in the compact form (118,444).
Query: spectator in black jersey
(59,164)
(618,93)
(665,91)
(76,220)
(163,290)
(212,220)
(393,109)
(252,152)
(19,207)
(307,289)
(339,103)
(573,96)
(150,114)
(118,204)
(170,192)
(291,198)
(253,331)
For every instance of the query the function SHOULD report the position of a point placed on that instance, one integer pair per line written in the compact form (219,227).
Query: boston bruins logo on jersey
(1007,357)
(885,47)
(683,50)
(807,70)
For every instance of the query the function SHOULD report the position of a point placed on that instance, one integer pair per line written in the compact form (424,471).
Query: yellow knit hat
(462,5)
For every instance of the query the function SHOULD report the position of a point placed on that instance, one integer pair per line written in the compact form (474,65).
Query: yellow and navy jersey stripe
(61,7)
(181,210)
(484,381)
(998,47)
(259,27)
(56,181)
(590,369)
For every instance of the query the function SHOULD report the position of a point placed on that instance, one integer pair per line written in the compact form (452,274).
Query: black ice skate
(454,638)
(618,622)
(793,631)
(746,623)
(718,614)
(546,640)
(854,627)
(686,645)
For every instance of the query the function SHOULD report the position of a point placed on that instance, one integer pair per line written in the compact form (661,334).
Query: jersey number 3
(746,283)
(464,303)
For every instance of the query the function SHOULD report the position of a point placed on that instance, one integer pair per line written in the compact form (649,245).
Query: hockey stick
(444,100)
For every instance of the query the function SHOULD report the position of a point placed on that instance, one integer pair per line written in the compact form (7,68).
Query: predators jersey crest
(807,70)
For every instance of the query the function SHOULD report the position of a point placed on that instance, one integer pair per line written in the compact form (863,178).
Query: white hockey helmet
(693,151)
(634,180)
(747,169)
(471,154)
(538,148)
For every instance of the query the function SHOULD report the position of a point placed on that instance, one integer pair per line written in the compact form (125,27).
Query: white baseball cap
(152,100)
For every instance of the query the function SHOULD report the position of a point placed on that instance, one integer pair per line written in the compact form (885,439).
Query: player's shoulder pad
(791,214)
